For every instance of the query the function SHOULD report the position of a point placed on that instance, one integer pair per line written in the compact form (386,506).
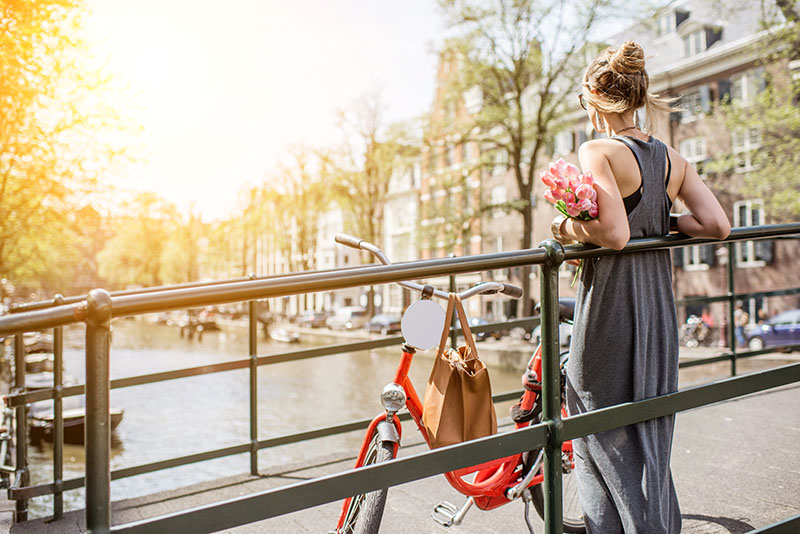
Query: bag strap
(448,320)
(462,318)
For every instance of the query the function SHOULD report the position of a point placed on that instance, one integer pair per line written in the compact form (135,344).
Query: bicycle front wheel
(572,513)
(366,510)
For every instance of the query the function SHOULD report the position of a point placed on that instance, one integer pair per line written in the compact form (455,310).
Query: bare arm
(706,217)
(610,229)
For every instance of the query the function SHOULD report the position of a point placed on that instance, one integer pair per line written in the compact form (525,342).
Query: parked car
(564,334)
(347,318)
(384,324)
(312,319)
(482,336)
(783,329)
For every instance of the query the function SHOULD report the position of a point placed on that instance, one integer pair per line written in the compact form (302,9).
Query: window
(695,104)
(746,86)
(744,143)
(499,274)
(470,151)
(694,43)
(500,162)
(699,257)
(749,213)
(449,156)
(665,24)
(498,196)
(694,150)
(431,159)
(564,143)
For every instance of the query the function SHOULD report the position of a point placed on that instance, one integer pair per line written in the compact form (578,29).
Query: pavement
(736,467)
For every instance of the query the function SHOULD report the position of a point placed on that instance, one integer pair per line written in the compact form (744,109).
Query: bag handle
(448,320)
(454,303)
(462,318)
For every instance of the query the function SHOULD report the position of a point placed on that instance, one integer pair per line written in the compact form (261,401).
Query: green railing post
(58,417)
(551,387)
(732,307)
(98,424)
(22,473)
(253,323)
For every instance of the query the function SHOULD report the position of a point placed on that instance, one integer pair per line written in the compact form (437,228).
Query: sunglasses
(582,101)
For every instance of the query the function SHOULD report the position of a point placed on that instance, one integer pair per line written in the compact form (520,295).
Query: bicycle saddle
(566,309)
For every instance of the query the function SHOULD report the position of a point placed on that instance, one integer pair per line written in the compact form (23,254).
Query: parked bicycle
(493,484)
(696,333)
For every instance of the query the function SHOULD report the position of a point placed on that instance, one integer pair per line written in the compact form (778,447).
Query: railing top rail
(44,304)
(227,292)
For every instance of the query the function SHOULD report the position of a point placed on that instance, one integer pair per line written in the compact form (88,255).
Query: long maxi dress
(625,348)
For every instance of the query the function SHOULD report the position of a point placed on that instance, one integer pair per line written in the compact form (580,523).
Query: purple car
(783,329)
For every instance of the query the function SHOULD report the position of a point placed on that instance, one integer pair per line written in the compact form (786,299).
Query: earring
(601,125)
(636,118)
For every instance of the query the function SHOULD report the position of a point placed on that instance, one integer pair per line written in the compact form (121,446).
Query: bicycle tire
(365,512)
(572,515)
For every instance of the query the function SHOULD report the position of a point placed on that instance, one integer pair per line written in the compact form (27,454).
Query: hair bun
(627,59)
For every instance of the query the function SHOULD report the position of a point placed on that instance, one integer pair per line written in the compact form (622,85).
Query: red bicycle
(492,484)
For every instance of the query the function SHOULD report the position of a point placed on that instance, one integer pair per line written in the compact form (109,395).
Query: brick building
(699,52)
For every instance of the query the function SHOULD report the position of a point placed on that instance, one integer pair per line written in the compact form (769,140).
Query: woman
(625,338)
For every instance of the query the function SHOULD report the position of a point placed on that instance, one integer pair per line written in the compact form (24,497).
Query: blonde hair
(616,82)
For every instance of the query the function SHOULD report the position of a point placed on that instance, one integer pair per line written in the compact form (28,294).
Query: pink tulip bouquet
(571,192)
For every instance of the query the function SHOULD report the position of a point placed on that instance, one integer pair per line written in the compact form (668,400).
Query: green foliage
(134,256)
(53,119)
(776,115)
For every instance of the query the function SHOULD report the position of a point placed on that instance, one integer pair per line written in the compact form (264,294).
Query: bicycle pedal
(448,514)
(444,513)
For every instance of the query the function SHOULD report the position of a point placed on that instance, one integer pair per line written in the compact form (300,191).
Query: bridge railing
(99,307)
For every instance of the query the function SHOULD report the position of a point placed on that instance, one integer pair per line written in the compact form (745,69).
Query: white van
(348,318)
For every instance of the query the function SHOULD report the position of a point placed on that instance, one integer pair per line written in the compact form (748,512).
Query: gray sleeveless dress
(625,348)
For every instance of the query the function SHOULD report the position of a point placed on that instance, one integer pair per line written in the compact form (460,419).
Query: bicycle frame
(493,479)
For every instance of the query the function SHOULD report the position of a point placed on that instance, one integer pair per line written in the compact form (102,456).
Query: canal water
(191,415)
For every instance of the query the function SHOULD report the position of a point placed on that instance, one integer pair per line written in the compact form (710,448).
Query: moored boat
(42,424)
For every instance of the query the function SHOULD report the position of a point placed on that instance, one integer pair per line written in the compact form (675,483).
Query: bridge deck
(729,481)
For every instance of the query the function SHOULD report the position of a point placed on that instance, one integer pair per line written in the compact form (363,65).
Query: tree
(522,60)
(361,168)
(53,118)
(773,119)
(181,258)
(301,196)
(134,255)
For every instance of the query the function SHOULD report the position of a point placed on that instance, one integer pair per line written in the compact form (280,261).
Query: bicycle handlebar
(509,290)
(348,240)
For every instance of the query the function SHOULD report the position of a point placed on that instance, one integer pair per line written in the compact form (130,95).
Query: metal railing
(99,307)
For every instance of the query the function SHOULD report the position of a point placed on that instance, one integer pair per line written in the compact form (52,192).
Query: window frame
(694,150)
(744,251)
(692,47)
(742,143)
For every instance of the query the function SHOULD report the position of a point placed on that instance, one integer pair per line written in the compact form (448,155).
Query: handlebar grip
(512,291)
(348,240)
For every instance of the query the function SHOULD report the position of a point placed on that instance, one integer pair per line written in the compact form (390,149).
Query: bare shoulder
(598,147)
(675,157)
